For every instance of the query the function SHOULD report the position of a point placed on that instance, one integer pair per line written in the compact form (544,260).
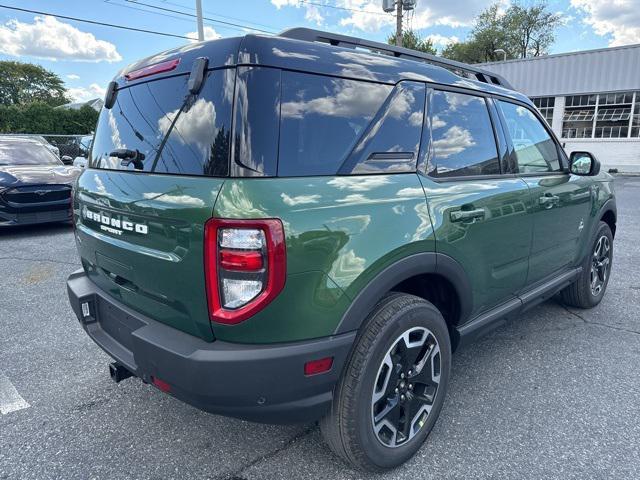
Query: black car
(35,185)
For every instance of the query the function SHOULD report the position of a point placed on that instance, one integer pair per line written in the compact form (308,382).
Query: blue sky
(86,56)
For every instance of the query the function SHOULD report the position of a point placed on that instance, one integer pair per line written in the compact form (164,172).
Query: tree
(22,83)
(520,31)
(412,40)
(530,30)
(39,117)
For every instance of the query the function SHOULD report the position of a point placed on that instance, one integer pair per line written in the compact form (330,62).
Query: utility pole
(398,23)
(199,20)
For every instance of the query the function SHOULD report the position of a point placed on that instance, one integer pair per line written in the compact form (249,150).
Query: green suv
(305,227)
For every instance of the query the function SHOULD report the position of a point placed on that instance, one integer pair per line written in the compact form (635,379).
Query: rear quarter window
(197,128)
(321,119)
(462,137)
(391,142)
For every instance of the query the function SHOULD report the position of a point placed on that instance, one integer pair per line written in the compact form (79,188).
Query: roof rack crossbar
(335,39)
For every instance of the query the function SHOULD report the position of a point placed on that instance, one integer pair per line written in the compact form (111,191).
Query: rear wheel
(589,288)
(393,387)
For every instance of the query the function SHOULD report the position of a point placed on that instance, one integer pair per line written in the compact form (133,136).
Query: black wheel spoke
(390,411)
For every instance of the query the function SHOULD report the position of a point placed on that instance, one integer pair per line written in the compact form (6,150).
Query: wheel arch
(609,215)
(420,264)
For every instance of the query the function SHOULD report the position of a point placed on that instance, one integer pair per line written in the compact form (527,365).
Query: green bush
(38,117)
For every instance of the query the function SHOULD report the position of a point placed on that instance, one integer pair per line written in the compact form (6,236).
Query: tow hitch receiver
(118,372)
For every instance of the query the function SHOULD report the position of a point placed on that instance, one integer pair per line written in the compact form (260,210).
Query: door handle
(466,215)
(548,200)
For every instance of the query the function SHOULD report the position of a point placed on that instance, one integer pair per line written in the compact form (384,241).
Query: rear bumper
(263,383)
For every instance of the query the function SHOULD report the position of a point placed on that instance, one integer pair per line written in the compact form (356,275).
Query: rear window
(26,153)
(321,119)
(175,132)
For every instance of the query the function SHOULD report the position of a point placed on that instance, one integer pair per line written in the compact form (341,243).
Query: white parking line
(10,399)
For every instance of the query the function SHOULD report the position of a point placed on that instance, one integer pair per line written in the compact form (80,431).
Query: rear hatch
(158,161)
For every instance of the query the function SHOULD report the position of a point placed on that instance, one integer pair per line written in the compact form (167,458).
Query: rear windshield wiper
(197,77)
(128,157)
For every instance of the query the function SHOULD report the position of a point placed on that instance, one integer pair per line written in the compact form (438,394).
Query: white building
(591,99)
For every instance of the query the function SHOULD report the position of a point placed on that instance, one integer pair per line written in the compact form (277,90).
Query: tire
(348,428)
(580,293)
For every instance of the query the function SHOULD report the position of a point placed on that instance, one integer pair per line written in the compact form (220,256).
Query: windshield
(26,153)
(164,129)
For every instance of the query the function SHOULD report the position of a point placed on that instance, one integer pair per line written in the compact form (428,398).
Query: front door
(560,202)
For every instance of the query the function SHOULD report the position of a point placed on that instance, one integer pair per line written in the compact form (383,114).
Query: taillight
(245,266)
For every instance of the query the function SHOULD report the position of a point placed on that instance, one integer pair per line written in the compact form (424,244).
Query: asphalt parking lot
(554,394)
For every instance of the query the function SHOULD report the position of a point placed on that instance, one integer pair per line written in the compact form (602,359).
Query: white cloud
(182,200)
(82,94)
(456,140)
(358,184)
(442,40)
(299,199)
(369,18)
(618,18)
(73,76)
(209,34)
(51,39)
(452,13)
(195,126)
(312,13)
(346,99)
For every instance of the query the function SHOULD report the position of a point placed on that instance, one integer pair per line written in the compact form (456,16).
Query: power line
(167,2)
(112,3)
(94,22)
(168,15)
(157,7)
(326,5)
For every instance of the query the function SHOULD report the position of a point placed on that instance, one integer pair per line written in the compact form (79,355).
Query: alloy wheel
(600,263)
(406,387)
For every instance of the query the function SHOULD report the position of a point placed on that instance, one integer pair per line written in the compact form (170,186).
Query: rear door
(140,220)
(480,214)
(560,201)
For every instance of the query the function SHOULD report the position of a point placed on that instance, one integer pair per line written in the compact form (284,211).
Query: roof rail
(459,68)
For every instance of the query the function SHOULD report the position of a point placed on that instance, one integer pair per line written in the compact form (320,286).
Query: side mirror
(584,164)
(67,160)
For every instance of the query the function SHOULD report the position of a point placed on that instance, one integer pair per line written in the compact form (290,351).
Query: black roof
(329,54)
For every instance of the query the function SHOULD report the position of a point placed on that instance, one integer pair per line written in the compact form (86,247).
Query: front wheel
(392,390)
(589,288)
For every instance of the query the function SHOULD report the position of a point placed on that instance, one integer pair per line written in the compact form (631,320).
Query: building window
(607,115)
(635,126)
(579,113)
(545,106)
(614,113)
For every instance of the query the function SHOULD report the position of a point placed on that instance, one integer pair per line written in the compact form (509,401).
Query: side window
(391,142)
(463,142)
(535,150)
(321,119)
(255,151)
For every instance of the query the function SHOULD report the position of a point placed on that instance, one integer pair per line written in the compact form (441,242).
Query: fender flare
(608,206)
(417,264)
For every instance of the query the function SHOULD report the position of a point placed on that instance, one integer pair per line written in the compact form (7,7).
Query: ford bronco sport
(305,227)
